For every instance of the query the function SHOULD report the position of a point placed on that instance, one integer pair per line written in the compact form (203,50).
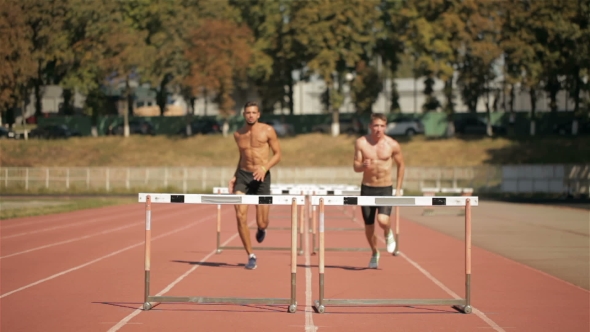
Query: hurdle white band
(395,201)
(221,199)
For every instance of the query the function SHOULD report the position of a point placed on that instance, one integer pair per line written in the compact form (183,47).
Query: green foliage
(475,47)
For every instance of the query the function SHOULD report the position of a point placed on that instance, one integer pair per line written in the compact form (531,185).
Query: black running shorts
(369,211)
(245,183)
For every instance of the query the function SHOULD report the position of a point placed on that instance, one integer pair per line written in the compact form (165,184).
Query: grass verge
(27,206)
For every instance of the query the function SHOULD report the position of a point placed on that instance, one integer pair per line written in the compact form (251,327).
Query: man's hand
(231,185)
(398,192)
(260,173)
(367,163)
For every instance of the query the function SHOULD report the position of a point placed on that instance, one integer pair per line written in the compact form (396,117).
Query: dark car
(282,129)
(7,133)
(565,128)
(476,126)
(136,126)
(347,126)
(53,131)
(203,127)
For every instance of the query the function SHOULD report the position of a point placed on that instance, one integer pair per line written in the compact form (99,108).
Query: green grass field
(302,150)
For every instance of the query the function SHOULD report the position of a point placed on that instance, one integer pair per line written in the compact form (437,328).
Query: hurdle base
(220,300)
(466,309)
(299,250)
(454,303)
(316,250)
(272,228)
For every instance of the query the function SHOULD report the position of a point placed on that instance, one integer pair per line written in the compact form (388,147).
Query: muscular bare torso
(253,144)
(380,161)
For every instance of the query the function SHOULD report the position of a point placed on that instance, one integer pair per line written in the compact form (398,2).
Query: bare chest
(252,139)
(377,152)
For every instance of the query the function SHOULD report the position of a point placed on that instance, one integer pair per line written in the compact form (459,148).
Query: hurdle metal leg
(150,301)
(397,225)
(466,308)
(147,252)
(462,305)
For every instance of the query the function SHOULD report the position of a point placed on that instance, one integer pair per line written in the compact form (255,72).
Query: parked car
(282,129)
(202,126)
(136,126)
(404,127)
(6,133)
(347,126)
(476,126)
(53,131)
(565,128)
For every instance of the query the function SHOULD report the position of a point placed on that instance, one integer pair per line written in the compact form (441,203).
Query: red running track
(83,271)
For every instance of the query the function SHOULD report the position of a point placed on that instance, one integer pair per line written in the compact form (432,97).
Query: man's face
(251,115)
(378,128)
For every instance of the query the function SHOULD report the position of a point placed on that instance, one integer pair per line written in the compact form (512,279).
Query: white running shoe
(374,263)
(390,240)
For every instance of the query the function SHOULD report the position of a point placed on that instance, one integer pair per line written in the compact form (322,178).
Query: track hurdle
(220,248)
(353,193)
(149,198)
(463,305)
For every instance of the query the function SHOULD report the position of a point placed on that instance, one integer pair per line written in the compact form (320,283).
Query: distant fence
(491,179)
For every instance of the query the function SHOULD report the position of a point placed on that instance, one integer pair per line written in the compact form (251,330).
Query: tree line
(216,48)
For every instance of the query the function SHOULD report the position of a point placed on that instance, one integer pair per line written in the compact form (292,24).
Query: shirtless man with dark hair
(252,175)
(374,155)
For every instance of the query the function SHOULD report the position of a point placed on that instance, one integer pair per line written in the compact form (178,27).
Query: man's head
(251,113)
(378,125)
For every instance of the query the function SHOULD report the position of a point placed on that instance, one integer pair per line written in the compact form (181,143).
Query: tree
(335,36)
(220,53)
(17,67)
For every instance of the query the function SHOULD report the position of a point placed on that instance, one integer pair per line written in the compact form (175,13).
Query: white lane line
(91,221)
(58,217)
(309,325)
(137,311)
(104,257)
(73,240)
(451,293)
(108,217)
(437,282)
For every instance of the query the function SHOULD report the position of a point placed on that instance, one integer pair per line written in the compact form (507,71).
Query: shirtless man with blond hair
(252,177)
(374,155)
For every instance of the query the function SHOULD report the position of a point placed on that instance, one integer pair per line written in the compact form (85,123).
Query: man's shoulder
(392,142)
(362,139)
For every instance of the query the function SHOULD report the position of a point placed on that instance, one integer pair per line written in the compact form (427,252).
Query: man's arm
(401,167)
(358,157)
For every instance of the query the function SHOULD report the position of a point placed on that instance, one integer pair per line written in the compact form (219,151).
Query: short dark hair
(380,116)
(250,104)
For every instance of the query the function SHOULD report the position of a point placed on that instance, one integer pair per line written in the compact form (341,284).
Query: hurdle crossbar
(148,199)
(463,304)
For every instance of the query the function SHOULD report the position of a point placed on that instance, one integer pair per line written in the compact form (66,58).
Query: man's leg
(385,223)
(369,219)
(242,218)
(262,221)
(371,237)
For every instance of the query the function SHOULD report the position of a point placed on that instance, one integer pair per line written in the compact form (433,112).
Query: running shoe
(260,234)
(251,263)
(374,263)
(390,240)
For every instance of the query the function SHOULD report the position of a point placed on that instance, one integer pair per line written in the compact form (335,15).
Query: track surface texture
(84,271)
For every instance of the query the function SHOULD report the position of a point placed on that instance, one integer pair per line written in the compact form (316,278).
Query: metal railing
(490,179)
